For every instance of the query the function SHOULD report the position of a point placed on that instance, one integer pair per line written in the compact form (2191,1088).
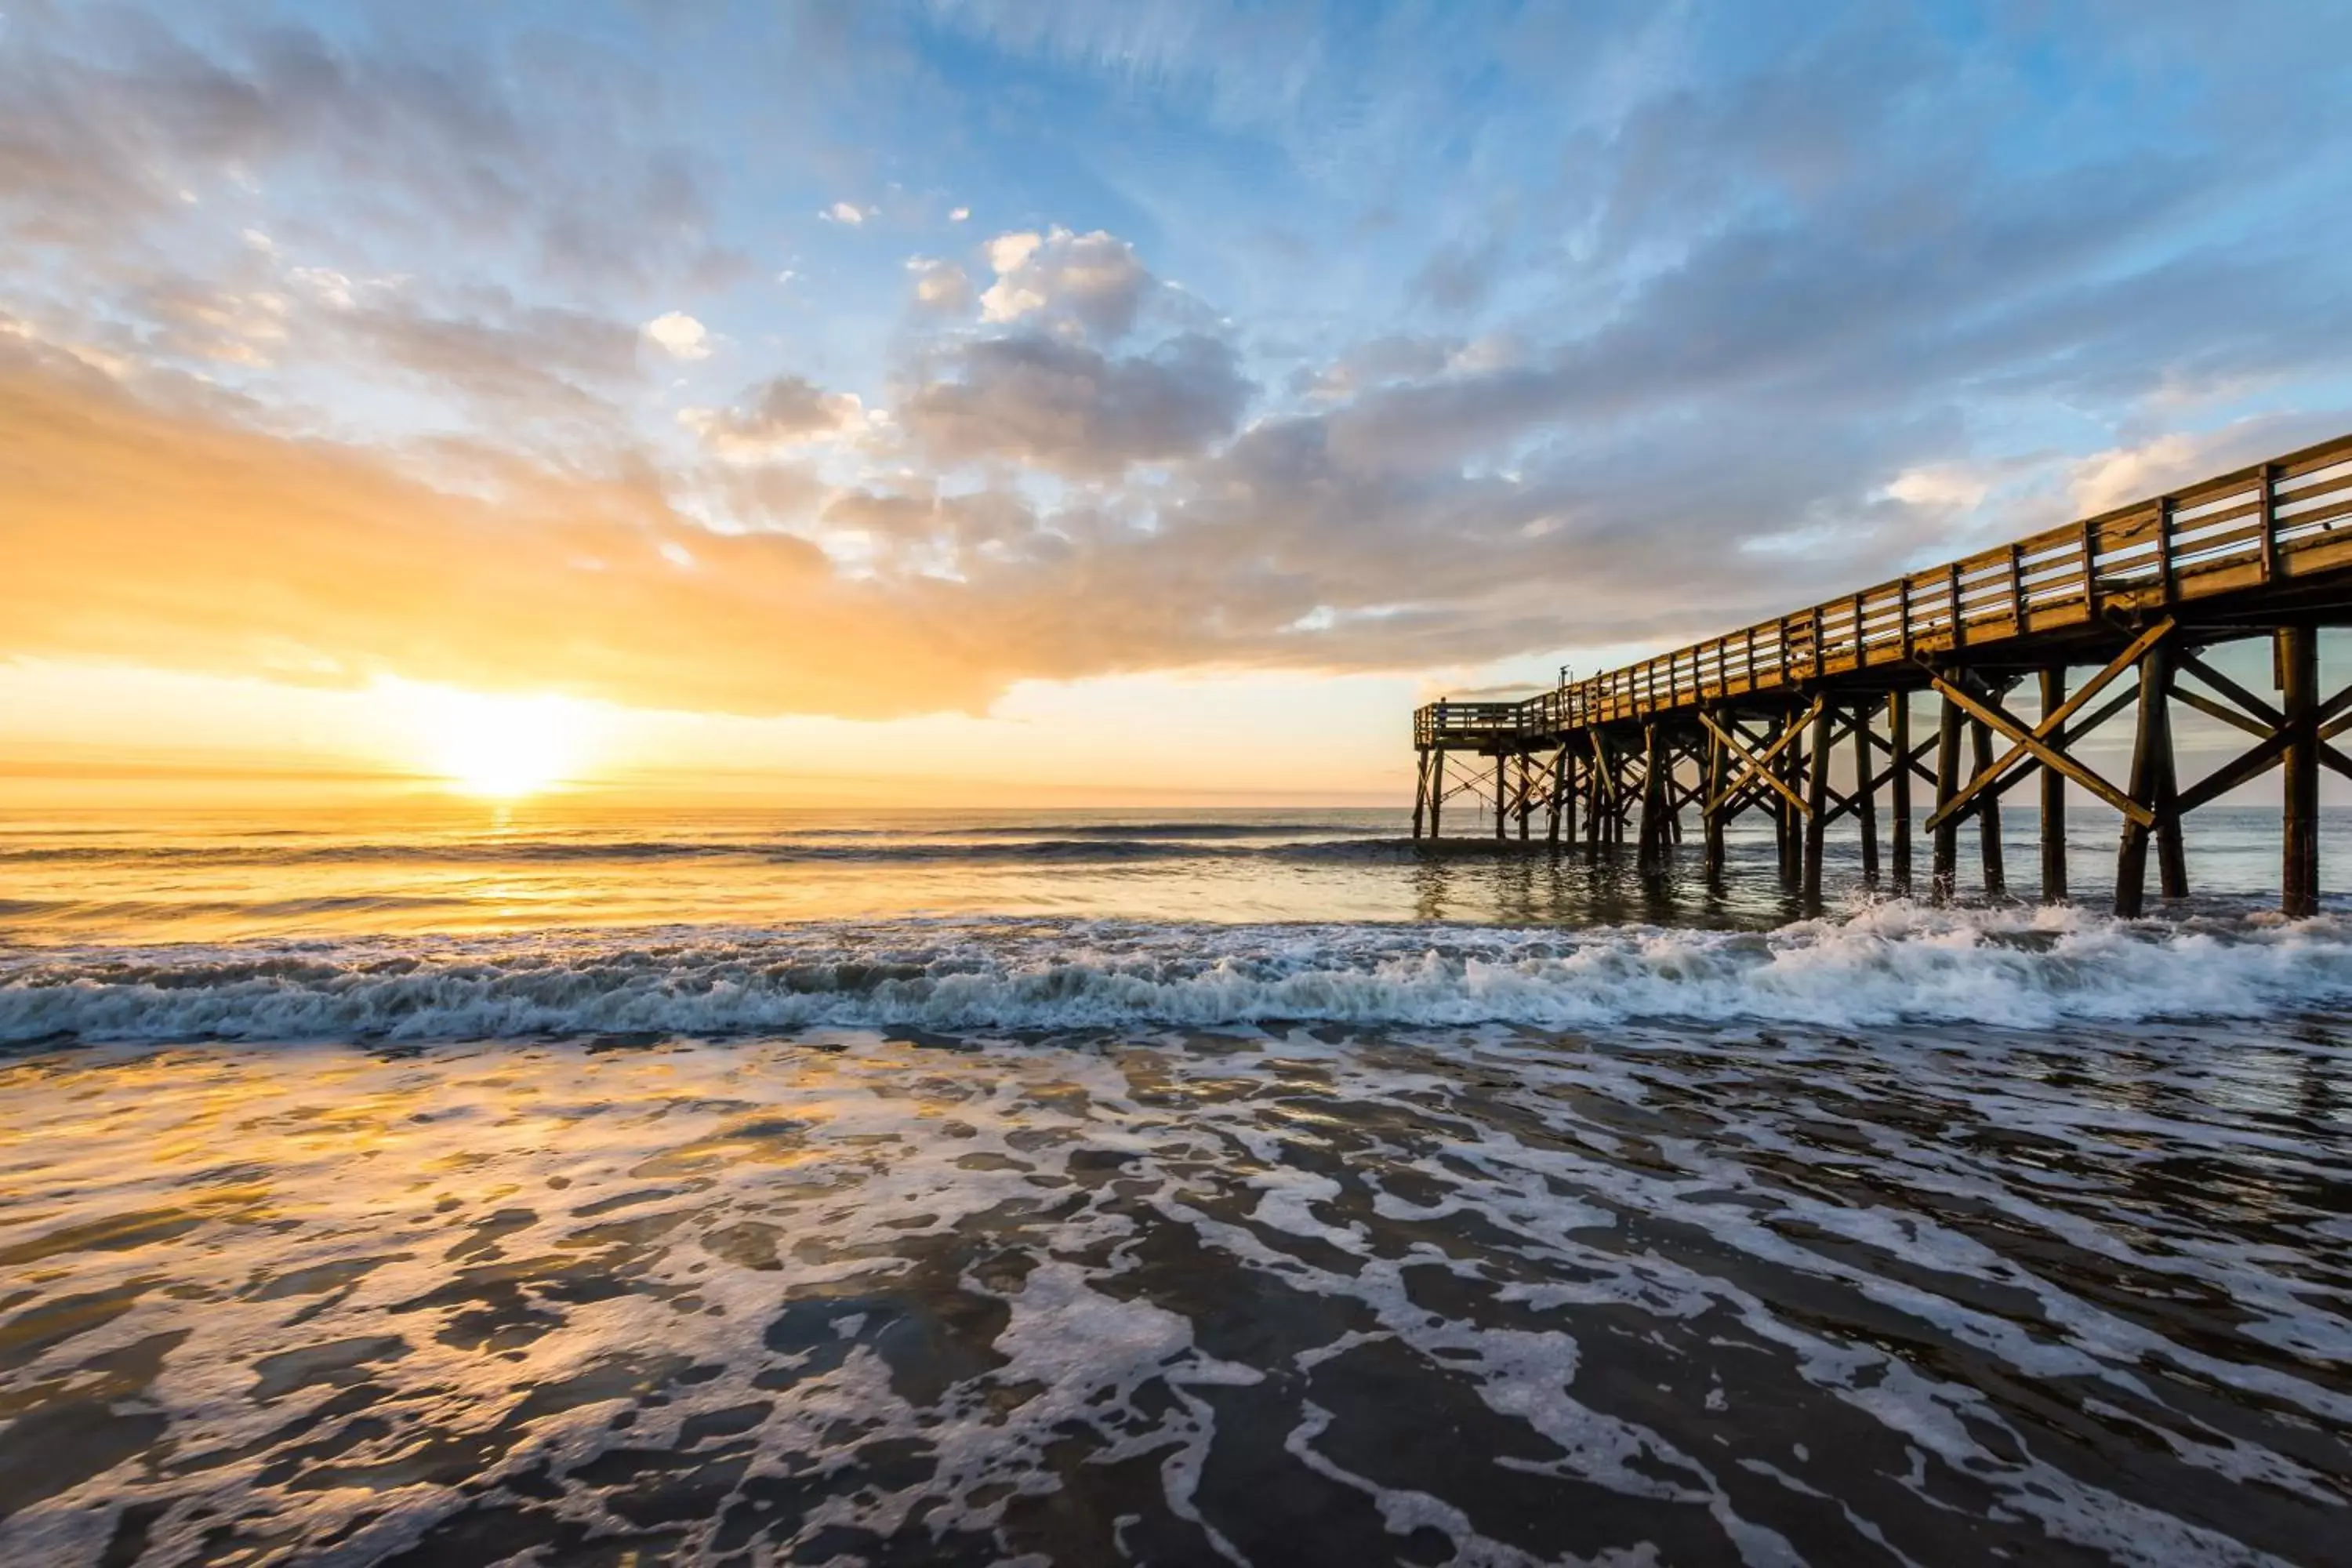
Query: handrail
(2240,529)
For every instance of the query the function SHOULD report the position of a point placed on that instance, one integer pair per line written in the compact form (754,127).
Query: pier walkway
(2133,598)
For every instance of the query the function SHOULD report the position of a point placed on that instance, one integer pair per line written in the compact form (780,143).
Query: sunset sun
(497,747)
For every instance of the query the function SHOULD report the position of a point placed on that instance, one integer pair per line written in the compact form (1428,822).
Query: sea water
(561,1183)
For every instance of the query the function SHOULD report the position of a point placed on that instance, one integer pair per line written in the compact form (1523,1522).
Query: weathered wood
(1898,729)
(2151,755)
(2298,666)
(1817,787)
(1654,839)
(1865,796)
(2054,724)
(1756,764)
(2242,554)
(1992,715)
(2171,856)
(2054,800)
(1945,823)
(1563,801)
(1995,869)
(1713,816)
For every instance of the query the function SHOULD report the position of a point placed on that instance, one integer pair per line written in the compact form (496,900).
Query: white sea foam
(1878,965)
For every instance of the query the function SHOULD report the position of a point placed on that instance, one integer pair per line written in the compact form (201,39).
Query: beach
(1891,1235)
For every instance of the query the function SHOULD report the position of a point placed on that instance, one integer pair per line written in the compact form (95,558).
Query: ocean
(565,1183)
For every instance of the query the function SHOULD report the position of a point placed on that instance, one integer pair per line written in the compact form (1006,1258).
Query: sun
(499,747)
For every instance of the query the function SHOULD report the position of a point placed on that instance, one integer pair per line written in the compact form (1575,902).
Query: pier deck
(1750,721)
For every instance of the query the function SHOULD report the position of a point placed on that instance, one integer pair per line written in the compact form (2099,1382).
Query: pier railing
(2270,523)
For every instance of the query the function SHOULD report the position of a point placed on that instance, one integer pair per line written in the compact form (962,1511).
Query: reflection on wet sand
(1484,1297)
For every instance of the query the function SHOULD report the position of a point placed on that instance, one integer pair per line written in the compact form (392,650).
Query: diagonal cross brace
(2047,755)
(2036,741)
(1755,765)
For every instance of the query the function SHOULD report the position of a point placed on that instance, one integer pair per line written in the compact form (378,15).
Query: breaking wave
(1883,964)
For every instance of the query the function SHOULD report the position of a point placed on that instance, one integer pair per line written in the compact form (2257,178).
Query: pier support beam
(1655,766)
(1502,777)
(1996,871)
(2152,786)
(1791,769)
(2054,799)
(1946,874)
(1437,793)
(1817,803)
(1714,810)
(1898,731)
(1865,790)
(2298,677)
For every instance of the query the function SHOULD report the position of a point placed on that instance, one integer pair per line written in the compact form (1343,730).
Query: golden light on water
(497,747)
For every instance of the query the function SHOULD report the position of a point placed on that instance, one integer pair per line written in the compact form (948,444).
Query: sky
(967,402)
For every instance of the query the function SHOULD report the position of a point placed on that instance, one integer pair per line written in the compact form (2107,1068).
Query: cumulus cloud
(778,416)
(941,286)
(1065,405)
(848,213)
(1093,279)
(679,335)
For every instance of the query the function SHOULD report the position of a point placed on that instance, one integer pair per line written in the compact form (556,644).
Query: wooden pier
(2111,617)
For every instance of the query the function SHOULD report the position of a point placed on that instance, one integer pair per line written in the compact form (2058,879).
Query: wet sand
(1287,1297)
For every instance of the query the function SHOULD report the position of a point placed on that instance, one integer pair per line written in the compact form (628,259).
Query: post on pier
(1817,803)
(1654,769)
(1563,799)
(1437,793)
(2154,733)
(1713,808)
(1898,733)
(1996,869)
(1420,790)
(2297,652)
(1865,788)
(1946,874)
(1785,767)
(1502,777)
(2054,798)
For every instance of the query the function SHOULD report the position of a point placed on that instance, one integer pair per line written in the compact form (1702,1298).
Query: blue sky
(807,364)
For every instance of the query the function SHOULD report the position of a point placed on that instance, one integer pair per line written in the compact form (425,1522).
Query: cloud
(847,213)
(516,361)
(1093,279)
(679,335)
(116,128)
(780,414)
(174,537)
(941,286)
(1065,405)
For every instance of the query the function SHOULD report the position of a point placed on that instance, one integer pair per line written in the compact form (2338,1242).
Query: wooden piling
(1817,803)
(1712,807)
(2153,737)
(2141,590)
(1996,871)
(1899,732)
(2298,680)
(1946,874)
(2054,799)
(1865,797)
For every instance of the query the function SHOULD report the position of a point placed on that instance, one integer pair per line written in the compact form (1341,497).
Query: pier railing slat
(2289,520)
